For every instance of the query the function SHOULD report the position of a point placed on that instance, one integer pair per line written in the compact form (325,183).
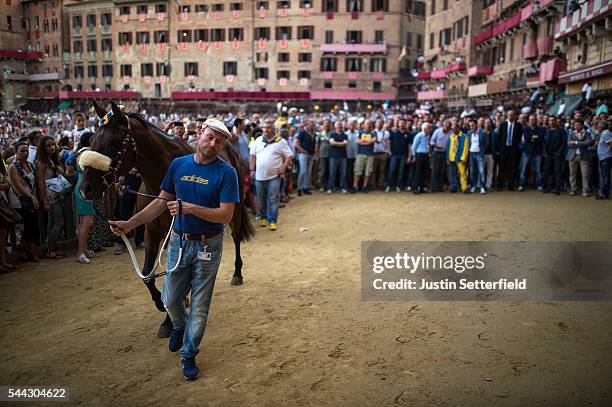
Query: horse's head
(112,153)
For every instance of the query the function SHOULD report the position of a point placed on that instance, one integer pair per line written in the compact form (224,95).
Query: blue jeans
(334,164)
(267,193)
(303,181)
(194,274)
(604,176)
(536,164)
(396,170)
(477,173)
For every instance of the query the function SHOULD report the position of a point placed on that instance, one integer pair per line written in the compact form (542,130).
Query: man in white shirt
(270,156)
(33,137)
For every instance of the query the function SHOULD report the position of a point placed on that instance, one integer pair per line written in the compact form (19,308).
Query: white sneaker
(521,189)
(344,191)
(329,191)
(472,190)
(483,191)
(81,258)
(387,189)
(398,189)
(408,189)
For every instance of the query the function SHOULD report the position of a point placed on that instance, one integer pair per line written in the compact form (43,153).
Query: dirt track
(297,332)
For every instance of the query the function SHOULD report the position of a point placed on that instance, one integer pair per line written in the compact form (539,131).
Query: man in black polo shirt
(305,143)
(338,141)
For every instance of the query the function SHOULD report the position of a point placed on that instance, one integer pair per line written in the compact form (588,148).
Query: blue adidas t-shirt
(205,185)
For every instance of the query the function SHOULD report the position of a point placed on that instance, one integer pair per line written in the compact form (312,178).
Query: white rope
(158,260)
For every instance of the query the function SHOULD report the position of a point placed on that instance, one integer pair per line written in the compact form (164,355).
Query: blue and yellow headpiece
(104,121)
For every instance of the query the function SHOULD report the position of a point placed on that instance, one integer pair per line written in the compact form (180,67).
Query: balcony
(487,88)
(431,95)
(530,50)
(351,95)
(550,70)
(545,45)
(589,11)
(444,72)
(16,76)
(480,70)
(92,55)
(355,48)
(125,94)
(182,95)
(7,53)
(48,76)
(66,56)
(106,54)
(106,29)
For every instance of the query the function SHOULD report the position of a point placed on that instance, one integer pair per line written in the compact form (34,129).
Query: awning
(571,103)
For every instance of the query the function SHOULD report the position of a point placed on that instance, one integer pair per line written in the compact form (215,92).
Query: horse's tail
(247,231)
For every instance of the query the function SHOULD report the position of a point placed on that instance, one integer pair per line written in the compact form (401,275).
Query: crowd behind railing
(384,149)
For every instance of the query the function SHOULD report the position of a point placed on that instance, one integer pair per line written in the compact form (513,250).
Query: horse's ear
(115,108)
(99,111)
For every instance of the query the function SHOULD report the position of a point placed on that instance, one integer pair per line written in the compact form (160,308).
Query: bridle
(109,179)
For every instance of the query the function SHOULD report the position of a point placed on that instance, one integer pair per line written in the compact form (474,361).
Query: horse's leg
(237,277)
(235,225)
(152,241)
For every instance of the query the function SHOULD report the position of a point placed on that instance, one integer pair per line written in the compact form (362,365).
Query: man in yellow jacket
(457,154)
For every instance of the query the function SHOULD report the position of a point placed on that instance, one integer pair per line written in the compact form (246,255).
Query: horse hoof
(164,331)
(237,280)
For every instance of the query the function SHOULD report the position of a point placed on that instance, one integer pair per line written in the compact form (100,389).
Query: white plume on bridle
(95,160)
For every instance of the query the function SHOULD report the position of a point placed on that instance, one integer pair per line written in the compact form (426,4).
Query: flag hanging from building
(402,53)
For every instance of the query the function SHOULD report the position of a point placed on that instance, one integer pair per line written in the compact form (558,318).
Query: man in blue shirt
(338,141)
(399,140)
(533,138)
(200,191)
(438,142)
(420,156)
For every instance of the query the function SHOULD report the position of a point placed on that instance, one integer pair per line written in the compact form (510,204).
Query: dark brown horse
(132,142)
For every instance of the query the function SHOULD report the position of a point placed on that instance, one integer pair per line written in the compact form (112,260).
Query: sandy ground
(298,333)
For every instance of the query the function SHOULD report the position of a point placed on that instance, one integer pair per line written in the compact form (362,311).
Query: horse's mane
(156,130)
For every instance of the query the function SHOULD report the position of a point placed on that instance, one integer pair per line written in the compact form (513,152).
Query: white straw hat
(218,126)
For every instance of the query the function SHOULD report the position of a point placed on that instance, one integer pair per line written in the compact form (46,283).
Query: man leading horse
(200,190)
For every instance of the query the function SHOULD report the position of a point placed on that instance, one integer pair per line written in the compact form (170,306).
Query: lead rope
(157,263)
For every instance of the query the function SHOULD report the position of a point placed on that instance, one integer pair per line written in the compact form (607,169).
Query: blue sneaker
(176,340)
(190,370)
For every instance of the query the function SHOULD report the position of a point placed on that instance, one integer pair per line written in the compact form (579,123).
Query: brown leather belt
(191,236)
